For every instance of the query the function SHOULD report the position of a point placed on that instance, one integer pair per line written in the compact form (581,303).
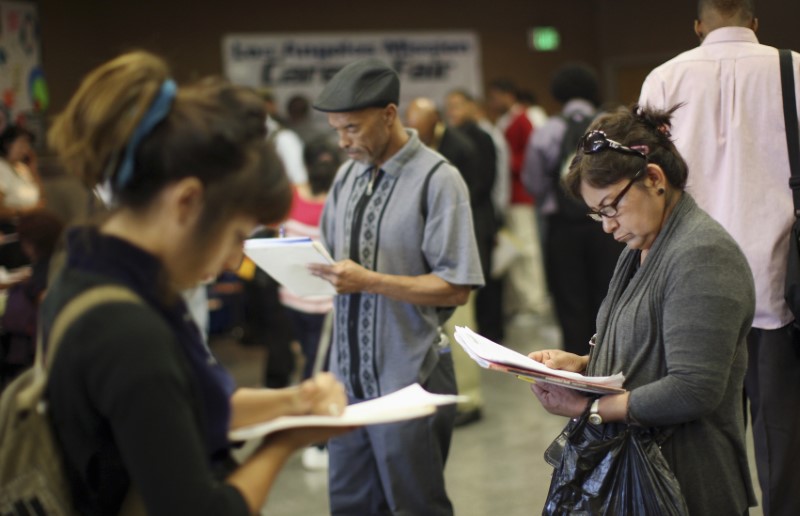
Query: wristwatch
(594,413)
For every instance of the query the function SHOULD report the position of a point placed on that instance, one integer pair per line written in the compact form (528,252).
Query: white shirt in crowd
(733,138)
(289,148)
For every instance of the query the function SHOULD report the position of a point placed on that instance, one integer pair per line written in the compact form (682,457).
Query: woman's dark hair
(322,160)
(643,128)
(41,229)
(213,131)
(10,134)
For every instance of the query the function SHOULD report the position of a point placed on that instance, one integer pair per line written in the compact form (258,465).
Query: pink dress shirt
(732,134)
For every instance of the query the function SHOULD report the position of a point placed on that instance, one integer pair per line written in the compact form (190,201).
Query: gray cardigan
(677,330)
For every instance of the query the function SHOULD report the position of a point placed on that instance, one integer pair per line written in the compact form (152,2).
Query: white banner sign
(430,64)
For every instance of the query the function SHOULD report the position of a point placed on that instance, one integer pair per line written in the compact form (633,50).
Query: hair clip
(158,111)
(661,128)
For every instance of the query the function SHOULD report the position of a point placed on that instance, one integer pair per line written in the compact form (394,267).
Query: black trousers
(772,385)
(579,262)
(307,329)
(266,324)
(489,299)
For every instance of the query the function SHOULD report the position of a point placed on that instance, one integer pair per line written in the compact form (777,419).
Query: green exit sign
(544,39)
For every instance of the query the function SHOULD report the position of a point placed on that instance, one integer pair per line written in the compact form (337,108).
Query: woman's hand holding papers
(555,399)
(558,359)
(562,401)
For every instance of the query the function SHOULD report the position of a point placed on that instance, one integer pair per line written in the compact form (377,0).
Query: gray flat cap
(362,84)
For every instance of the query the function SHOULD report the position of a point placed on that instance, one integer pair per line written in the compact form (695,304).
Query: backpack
(568,206)
(32,474)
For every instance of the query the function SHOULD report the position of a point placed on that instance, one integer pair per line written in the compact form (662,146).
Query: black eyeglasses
(597,141)
(609,211)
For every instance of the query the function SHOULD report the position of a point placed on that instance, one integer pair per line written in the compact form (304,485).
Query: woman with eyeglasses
(140,407)
(675,318)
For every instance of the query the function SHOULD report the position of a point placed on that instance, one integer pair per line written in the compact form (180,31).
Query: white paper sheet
(285,259)
(485,352)
(408,403)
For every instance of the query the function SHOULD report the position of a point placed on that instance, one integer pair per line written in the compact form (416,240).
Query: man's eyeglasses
(597,141)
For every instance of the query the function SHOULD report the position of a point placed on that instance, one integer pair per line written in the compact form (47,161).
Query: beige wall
(622,38)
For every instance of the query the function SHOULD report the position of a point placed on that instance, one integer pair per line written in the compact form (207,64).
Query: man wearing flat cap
(398,223)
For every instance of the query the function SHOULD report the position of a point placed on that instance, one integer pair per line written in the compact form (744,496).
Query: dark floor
(495,465)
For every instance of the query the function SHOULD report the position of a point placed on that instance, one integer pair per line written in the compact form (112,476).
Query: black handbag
(611,469)
(792,285)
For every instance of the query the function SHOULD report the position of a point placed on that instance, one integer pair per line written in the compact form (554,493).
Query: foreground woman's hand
(321,395)
(558,359)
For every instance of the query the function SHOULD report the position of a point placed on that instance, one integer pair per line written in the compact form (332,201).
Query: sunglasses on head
(597,141)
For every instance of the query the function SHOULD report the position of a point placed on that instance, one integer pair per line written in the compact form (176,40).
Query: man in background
(462,114)
(525,289)
(579,257)
(731,132)
(477,167)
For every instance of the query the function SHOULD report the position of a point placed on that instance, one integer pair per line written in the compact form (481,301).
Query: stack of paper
(491,355)
(285,259)
(408,403)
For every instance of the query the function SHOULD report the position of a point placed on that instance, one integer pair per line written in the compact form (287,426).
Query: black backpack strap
(423,199)
(790,119)
(344,179)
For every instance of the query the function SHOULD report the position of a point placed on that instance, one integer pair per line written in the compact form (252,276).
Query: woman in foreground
(137,401)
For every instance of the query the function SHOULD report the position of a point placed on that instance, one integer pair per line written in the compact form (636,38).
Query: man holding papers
(399,226)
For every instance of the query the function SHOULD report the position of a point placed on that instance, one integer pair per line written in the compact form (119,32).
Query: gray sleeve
(449,239)
(707,308)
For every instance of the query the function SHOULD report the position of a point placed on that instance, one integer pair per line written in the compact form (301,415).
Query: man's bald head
(714,14)
(423,115)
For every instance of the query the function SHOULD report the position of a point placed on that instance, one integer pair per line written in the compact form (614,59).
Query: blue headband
(158,111)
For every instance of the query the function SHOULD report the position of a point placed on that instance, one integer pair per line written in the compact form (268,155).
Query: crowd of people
(642,229)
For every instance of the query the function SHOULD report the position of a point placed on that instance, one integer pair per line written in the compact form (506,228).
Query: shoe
(315,459)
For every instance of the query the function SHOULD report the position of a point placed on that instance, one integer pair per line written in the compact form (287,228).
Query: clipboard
(408,403)
(285,260)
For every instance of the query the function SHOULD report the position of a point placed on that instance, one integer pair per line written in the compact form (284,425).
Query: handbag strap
(72,311)
(790,119)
